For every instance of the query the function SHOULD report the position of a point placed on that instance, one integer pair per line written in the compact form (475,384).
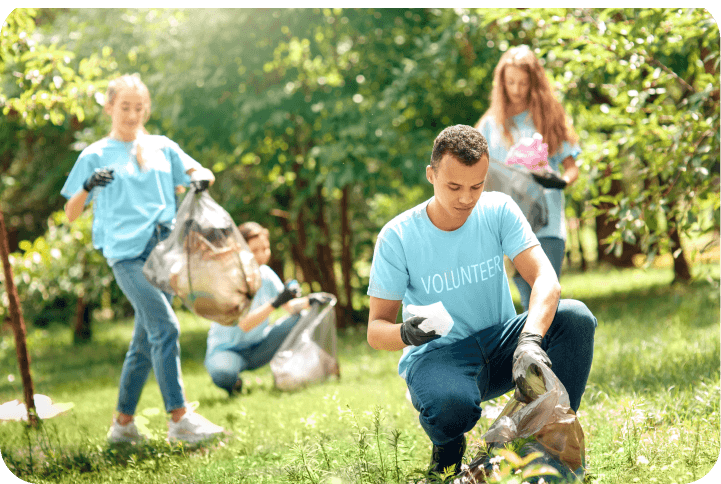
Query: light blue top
(127,210)
(524,128)
(225,337)
(418,263)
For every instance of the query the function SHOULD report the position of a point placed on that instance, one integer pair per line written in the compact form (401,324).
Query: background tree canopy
(319,122)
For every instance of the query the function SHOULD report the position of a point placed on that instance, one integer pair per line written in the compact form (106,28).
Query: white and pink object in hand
(529,152)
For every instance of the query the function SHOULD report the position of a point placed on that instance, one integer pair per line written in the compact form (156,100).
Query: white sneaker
(124,433)
(192,428)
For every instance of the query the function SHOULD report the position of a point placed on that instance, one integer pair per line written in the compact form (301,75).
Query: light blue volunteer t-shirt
(126,211)
(226,337)
(418,263)
(524,128)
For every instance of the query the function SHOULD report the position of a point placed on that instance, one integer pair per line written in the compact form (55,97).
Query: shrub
(57,269)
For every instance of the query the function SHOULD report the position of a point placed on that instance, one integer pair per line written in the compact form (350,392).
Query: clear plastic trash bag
(206,262)
(308,353)
(540,412)
(517,181)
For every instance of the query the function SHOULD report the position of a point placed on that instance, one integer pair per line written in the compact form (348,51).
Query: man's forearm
(542,306)
(384,335)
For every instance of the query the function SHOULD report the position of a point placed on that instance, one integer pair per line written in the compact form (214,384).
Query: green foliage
(60,265)
(45,83)
(642,86)
(47,94)
(296,108)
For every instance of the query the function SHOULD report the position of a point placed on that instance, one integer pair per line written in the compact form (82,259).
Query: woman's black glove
(549,180)
(412,335)
(99,178)
(290,291)
(200,185)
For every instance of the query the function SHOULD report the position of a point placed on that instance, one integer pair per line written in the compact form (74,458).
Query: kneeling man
(450,249)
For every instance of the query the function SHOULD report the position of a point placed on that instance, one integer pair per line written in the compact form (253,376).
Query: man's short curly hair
(465,143)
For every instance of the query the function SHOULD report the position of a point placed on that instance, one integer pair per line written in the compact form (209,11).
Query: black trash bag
(309,352)
(518,182)
(538,418)
(206,262)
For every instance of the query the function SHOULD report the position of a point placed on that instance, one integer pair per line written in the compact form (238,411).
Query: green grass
(650,412)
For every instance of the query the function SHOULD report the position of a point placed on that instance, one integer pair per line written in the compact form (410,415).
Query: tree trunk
(320,266)
(681,268)
(710,68)
(323,247)
(346,260)
(606,226)
(18,324)
(83,331)
(325,254)
(277,265)
(298,248)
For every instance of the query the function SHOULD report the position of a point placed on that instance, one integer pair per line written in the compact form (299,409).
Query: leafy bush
(57,269)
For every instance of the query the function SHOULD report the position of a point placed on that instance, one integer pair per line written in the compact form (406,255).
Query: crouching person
(253,341)
(450,249)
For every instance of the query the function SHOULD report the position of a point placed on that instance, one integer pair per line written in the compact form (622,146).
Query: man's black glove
(528,378)
(549,180)
(99,178)
(412,335)
(530,344)
(319,299)
(200,185)
(290,291)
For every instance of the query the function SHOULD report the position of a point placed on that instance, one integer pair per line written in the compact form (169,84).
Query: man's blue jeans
(448,384)
(155,335)
(554,248)
(225,363)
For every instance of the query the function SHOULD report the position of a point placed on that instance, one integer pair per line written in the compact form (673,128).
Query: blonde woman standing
(131,178)
(523,103)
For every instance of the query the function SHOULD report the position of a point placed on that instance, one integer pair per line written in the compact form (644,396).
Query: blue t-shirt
(232,337)
(126,211)
(524,128)
(420,264)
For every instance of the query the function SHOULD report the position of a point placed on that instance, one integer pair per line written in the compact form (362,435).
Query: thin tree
(18,325)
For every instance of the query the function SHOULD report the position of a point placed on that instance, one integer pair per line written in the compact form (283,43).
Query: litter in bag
(540,413)
(308,353)
(206,262)
(517,181)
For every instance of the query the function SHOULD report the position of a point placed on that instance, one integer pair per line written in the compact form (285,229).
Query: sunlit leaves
(60,264)
(49,85)
(644,89)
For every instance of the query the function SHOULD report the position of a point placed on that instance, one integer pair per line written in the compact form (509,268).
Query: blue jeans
(448,384)
(155,335)
(225,363)
(555,251)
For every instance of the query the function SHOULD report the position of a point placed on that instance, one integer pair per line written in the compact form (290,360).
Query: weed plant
(650,412)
